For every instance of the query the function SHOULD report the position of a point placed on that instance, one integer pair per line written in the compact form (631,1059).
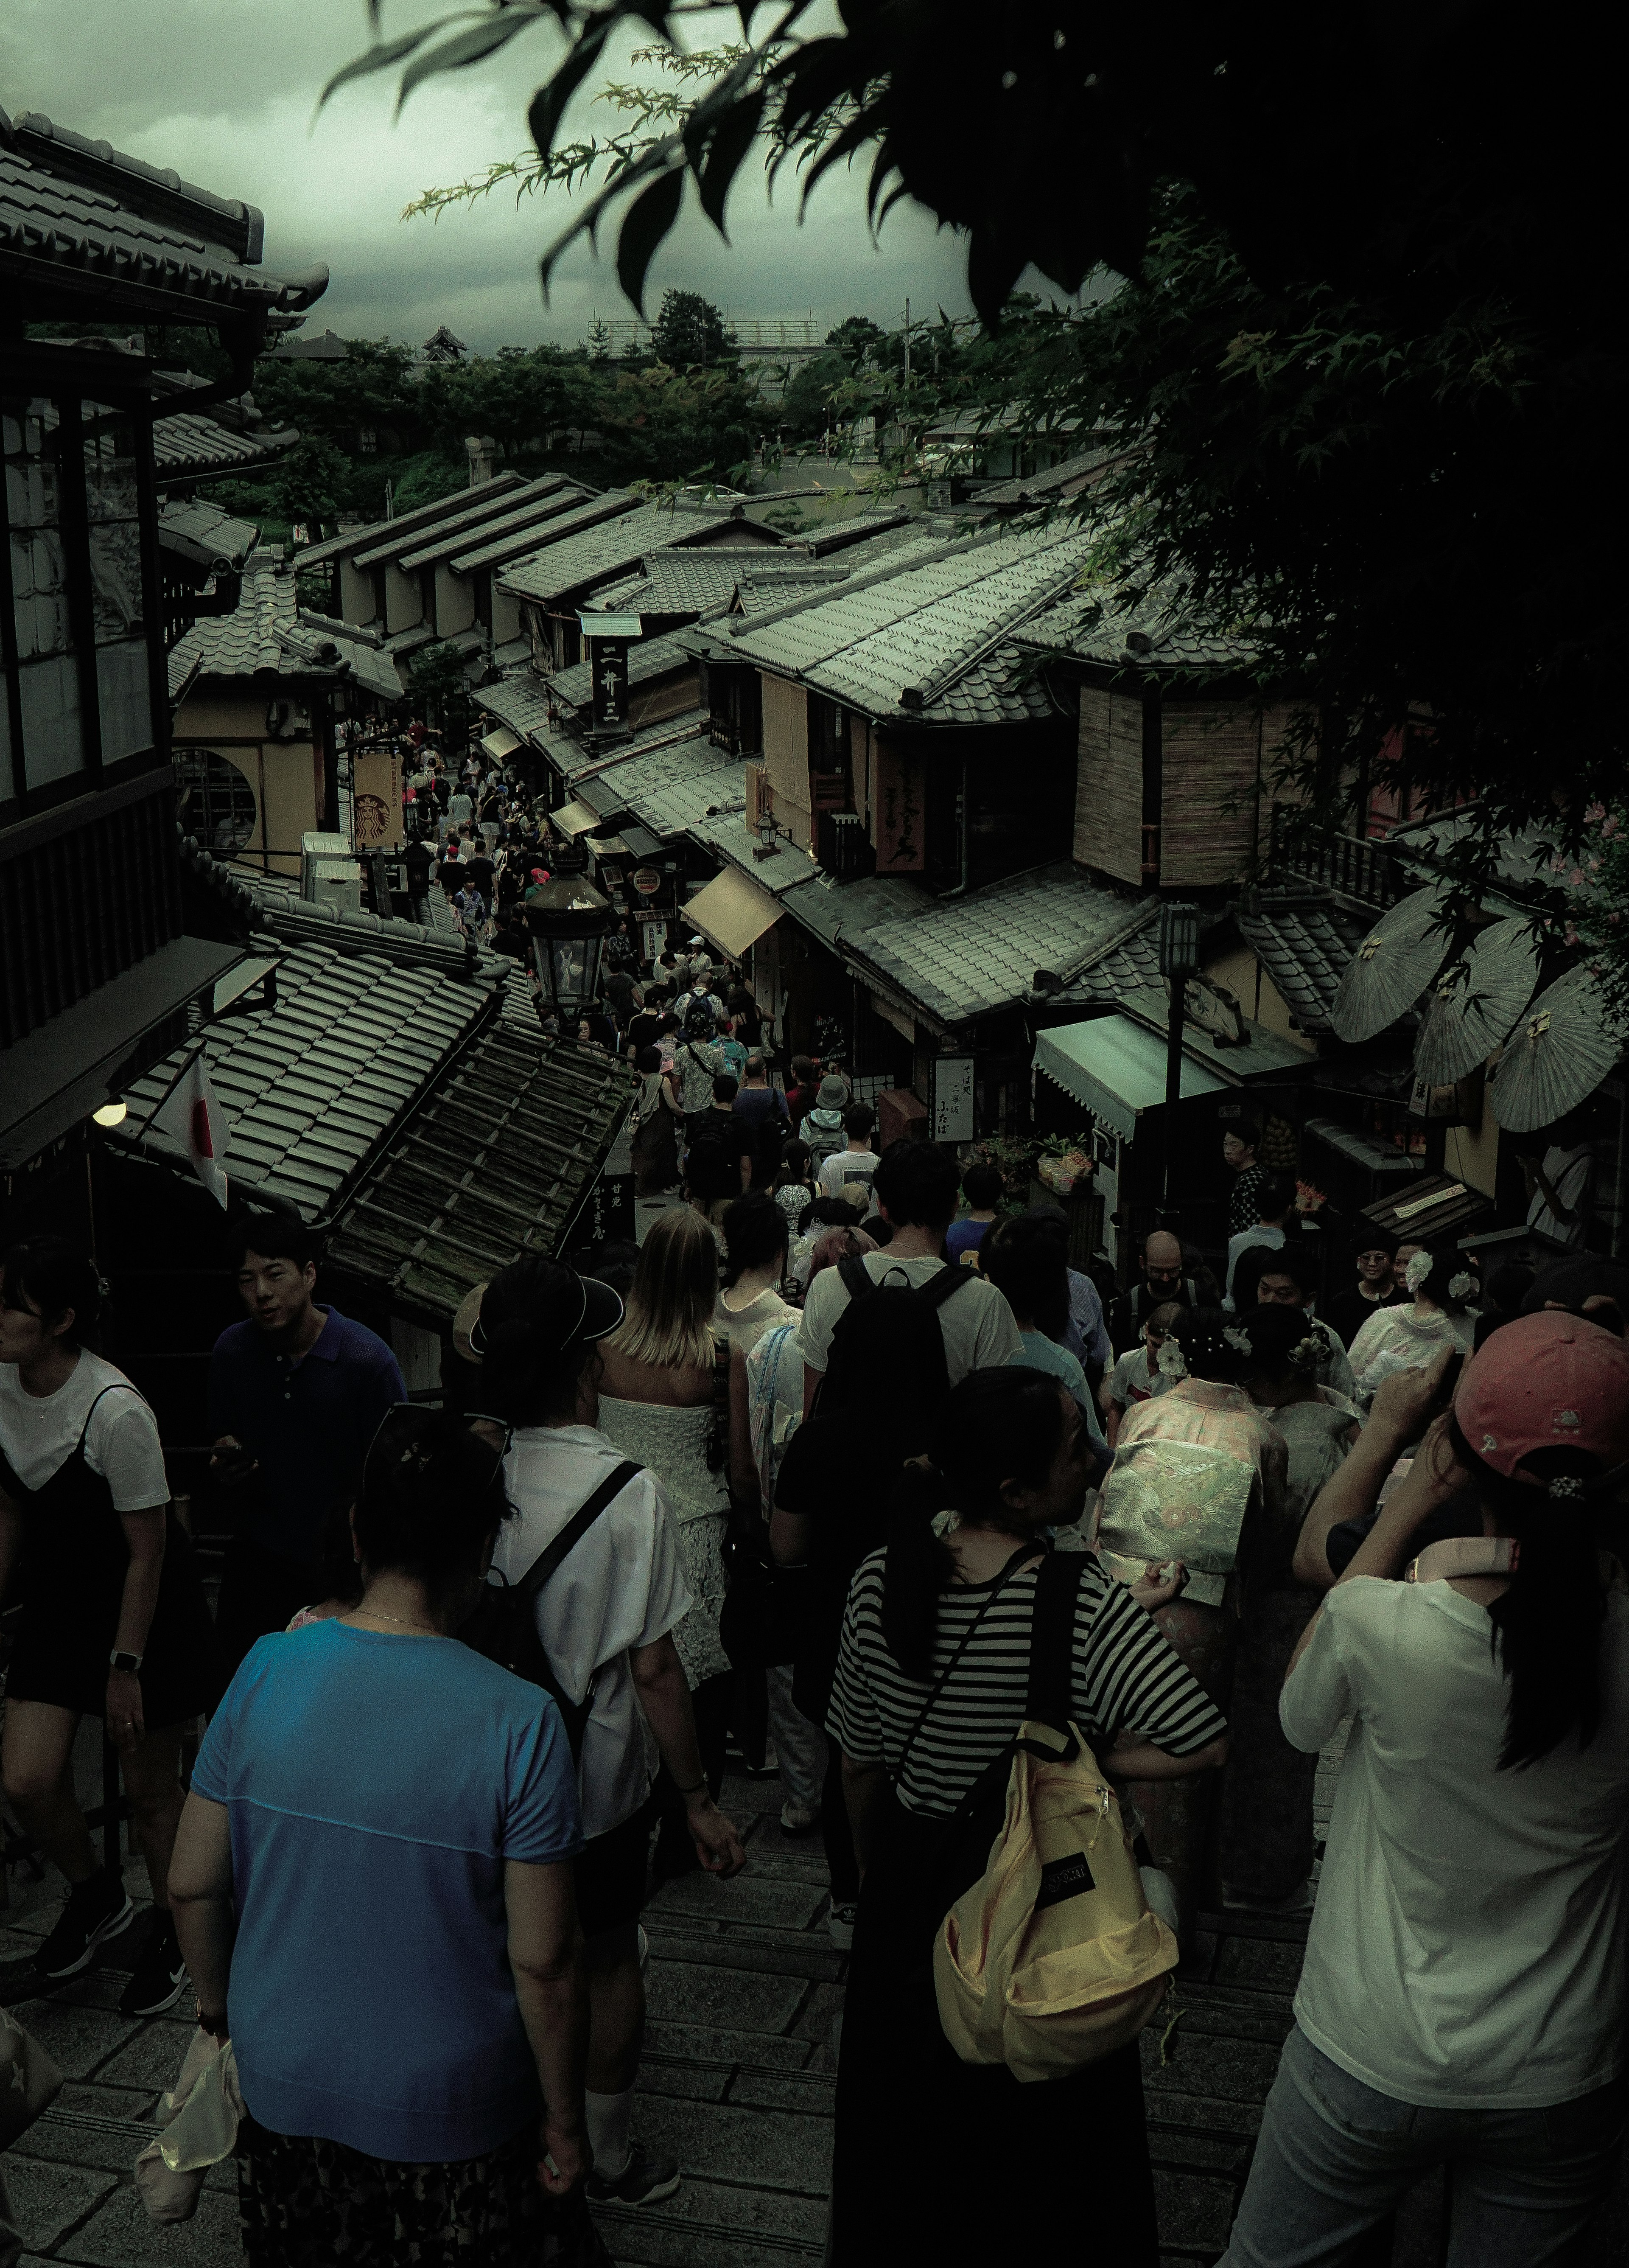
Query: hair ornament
(1238,1338)
(104,1289)
(944,1524)
(417,1454)
(1417,1270)
(1566,1487)
(1171,1360)
(1460,1286)
(1306,1354)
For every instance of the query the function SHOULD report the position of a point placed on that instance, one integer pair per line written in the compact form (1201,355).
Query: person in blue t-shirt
(296,1395)
(372,1883)
(981,1188)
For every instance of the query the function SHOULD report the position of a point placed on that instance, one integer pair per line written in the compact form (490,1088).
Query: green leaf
(471,47)
(381,56)
(643,227)
(731,139)
(548,104)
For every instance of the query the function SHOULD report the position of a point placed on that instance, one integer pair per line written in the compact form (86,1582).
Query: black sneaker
(642,2181)
(96,1911)
(160,1977)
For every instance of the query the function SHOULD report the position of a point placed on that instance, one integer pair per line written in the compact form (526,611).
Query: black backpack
(906,1317)
(504,1624)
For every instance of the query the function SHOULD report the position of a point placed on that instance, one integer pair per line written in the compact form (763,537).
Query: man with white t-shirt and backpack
(606,1609)
(916,1186)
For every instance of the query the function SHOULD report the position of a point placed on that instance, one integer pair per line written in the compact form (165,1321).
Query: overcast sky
(224,90)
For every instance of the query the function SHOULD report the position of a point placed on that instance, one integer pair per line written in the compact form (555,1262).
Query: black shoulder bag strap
(576,1528)
(1052,1641)
(855,1275)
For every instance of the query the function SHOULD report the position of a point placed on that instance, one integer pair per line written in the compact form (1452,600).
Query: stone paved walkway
(744,1991)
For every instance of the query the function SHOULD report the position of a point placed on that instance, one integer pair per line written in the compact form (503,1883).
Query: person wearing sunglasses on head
(373,1883)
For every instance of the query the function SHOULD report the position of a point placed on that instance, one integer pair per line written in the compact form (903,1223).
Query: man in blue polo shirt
(295,1395)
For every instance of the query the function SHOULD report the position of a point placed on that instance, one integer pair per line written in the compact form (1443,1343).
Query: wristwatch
(130,1662)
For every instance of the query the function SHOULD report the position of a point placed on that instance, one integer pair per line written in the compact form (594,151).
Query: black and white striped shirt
(1126,1680)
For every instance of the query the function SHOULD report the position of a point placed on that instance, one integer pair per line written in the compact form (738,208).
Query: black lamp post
(1180,957)
(569,921)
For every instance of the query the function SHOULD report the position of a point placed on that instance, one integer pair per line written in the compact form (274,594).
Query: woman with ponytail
(931,1684)
(1466,1982)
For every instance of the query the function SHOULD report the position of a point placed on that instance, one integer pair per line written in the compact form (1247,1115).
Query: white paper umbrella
(1561,1051)
(1392,967)
(1475,1003)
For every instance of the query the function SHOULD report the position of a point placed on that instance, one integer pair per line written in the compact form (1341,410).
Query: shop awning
(574,818)
(1116,1069)
(733,913)
(500,743)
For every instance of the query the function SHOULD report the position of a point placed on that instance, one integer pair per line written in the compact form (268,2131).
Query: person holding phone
(1464,1995)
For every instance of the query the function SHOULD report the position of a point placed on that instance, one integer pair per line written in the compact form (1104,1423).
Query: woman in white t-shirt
(113,1623)
(1466,1977)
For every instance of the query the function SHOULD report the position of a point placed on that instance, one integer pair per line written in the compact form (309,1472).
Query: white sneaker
(840,1927)
(798,1818)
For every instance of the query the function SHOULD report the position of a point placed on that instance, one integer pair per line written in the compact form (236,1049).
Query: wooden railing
(1353,865)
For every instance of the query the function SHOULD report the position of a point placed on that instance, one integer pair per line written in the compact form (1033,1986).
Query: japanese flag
(193,1117)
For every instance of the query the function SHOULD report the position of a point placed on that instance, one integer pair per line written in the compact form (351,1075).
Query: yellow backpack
(1052,1959)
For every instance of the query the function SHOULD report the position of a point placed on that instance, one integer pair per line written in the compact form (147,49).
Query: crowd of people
(805,1469)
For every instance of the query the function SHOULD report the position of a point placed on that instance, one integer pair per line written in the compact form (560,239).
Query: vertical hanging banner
(900,809)
(376,801)
(953,1099)
(608,637)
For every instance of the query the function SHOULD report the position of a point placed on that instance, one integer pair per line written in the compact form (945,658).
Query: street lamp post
(569,921)
(1180,957)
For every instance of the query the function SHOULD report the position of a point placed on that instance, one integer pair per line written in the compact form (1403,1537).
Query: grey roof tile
(204,536)
(248,642)
(969,956)
(932,623)
(372,1075)
(145,237)
(1163,630)
(670,778)
(601,555)
(186,443)
(1304,943)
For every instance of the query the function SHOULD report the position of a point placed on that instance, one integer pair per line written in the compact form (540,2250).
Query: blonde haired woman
(661,1388)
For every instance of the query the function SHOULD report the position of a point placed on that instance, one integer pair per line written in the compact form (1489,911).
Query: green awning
(1116,1070)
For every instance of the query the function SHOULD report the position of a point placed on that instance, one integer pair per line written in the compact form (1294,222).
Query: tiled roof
(520,702)
(280,908)
(188,444)
(1304,943)
(482,509)
(842,537)
(423,515)
(895,642)
(248,641)
(1133,965)
(728,838)
(80,218)
(601,554)
(322,346)
(646,659)
(839,913)
(204,536)
(1057,481)
(312,1085)
(313,645)
(670,778)
(590,508)
(498,1160)
(1161,630)
(1001,687)
(965,957)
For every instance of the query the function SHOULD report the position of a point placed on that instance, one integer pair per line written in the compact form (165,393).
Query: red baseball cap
(1543,1382)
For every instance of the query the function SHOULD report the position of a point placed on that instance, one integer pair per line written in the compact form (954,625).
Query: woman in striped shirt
(936,2159)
